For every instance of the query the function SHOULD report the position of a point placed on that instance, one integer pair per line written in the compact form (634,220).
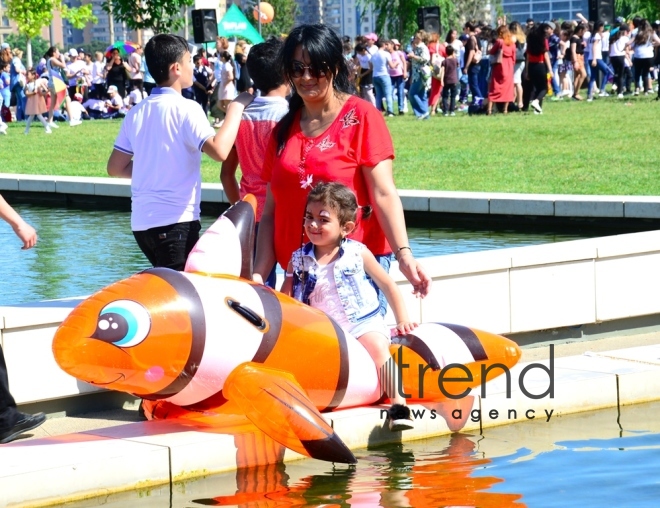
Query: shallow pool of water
(81,251)
(595,459)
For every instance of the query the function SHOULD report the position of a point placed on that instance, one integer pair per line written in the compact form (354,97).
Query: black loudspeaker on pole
(601,10)
(428,19)
(205,25)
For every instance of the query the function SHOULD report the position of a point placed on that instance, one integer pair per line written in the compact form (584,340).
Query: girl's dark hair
(536,40)
(325,55)
(644,33)
(50,52)
(226,55)
(597,26)
(339,198)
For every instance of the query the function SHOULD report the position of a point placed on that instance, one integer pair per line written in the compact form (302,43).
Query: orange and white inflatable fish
(213,341)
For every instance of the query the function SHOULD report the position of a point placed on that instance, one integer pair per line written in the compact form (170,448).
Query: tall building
(542,10)
(346,17)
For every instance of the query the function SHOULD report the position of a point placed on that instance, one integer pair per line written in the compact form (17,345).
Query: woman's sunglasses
(298,70)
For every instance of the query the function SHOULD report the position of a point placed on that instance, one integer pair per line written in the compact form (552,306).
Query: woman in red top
(537,68)
(501,89)
(330,135)
(438,54)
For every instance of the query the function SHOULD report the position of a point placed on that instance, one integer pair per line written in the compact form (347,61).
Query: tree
(161,16)
(649,9)
(39,44)
(452,14)
(31,16)
(284,20)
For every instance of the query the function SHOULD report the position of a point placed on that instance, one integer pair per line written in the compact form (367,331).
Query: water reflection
(391,476)
(82,251)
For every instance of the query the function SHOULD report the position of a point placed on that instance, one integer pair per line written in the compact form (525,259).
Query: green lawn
(609,146)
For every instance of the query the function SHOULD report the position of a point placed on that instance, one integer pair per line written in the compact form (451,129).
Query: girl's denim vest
(356,293)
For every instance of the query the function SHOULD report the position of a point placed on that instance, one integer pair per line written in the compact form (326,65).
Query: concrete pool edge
(437,202)
(50,470)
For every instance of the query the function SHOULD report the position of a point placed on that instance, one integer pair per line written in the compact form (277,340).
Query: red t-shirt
(358,137)
(531,58)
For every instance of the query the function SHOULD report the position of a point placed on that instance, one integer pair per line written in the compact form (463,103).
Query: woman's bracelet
(396,254)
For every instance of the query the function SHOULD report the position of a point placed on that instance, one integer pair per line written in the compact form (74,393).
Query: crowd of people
(511,67)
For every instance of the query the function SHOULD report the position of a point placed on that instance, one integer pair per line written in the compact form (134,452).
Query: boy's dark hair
(263,65)
(196,59)
(161,52)
(449,49)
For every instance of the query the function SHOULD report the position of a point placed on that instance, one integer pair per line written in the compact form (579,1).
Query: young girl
(35,89)
(330,274)
(227,81)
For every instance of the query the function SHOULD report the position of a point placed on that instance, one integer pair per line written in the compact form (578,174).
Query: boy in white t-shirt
(77,110)
(160,147)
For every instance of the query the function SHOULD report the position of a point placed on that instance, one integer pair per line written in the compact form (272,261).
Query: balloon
(267,12)
(211,345)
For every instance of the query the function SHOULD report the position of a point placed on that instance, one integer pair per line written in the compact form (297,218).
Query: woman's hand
(415,273)
(27,234)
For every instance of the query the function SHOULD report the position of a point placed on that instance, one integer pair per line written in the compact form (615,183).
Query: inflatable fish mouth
(138,335)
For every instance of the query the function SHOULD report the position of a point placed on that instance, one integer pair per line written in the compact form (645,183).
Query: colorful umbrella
(124,47)
(60,89)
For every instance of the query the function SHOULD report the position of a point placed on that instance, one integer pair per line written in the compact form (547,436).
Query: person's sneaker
(26,422)
(53,125)
(603,94)
(73,123)
(425,116)
(3,129)
(399,418)
(26,131)
(590,99)
(555,98)
(636,92)
(614,87)
(445,114)
(620,96)
(401,113)
(390,114)
(452,114)
(536,106)
(47,130)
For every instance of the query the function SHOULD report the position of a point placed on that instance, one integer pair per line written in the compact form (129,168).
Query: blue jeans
(419,98)
(600,66)
(384,260)
(169,246)
(20,102)
(400,86)
(473,82)
(383,87)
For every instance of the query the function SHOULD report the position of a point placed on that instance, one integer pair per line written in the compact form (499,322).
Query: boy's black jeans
(169,246)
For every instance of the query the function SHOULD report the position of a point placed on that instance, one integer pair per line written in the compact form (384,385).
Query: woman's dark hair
(536,40)
(226,55)
(339,198)
(449,39)
(50,52)
(324,48)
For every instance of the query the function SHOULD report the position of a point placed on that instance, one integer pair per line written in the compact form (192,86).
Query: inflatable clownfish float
(210,342)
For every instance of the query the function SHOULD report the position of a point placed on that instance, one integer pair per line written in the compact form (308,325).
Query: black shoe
(27,422)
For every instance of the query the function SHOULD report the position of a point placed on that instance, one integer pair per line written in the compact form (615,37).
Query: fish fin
(276,404)
(227,246)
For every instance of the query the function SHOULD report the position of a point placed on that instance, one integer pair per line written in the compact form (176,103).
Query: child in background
(5,96)
(258,121)
(330,273)
(77,110)
(449,80)
(35,89)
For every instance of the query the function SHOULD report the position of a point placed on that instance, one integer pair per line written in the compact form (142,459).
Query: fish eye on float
(124,323)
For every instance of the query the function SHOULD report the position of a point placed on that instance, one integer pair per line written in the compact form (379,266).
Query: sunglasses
(298,70)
